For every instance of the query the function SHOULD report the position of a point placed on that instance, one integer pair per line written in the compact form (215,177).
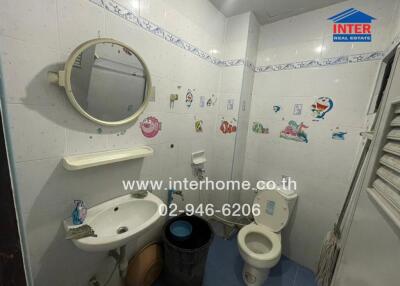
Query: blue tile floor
(224,267)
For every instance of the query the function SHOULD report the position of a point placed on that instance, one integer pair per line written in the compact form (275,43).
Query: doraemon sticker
(198,125)
(212,100)
(189,98)
(276,108)
(259,128)
(228,127)
(295,132)
(150,127)
(297,109)
(321,107)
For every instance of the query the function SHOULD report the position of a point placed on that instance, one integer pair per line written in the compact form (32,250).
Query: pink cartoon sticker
(150,127)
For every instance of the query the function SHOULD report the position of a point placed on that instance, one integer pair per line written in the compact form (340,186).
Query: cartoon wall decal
(189,98)
(339,135)
(297,109)
(198,125)
(321,107)
(202,101)
(172,98)
(295,132)
(276,108)
(259,128)
(150,126)
(230,104)
(212,100)
(228,127)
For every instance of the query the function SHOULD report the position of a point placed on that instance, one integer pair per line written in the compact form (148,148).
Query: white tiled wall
(322,167)
(38,37)
(309,35)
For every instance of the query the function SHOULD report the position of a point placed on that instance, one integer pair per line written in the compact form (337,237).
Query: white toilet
(260,242)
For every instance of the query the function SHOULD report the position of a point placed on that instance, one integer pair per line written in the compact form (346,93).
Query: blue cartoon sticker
(276,108)
(339,135)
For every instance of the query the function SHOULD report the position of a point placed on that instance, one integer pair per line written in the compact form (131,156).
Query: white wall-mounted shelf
(199,157)
(79,162)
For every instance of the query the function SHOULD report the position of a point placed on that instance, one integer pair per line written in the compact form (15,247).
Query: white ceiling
(268,11)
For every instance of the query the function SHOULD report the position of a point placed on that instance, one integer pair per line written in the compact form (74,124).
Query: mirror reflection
(108,81)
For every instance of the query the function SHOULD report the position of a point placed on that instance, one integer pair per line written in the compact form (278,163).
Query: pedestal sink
(117,221)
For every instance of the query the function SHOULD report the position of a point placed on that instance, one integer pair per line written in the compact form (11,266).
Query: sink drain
(122,229)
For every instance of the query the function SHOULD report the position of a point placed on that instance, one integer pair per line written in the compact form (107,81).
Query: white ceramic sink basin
(117,221)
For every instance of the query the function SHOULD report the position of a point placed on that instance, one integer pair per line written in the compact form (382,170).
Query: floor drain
(122,229)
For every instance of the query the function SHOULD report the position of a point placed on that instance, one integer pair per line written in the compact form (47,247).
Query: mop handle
(338,224)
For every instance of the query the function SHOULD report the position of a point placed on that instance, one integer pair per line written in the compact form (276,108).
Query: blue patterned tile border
(358,58)
(125,13)
(131,16)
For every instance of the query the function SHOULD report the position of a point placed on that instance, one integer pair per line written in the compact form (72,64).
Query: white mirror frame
(63,79)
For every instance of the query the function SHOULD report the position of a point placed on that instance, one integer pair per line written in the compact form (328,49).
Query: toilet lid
(274,211)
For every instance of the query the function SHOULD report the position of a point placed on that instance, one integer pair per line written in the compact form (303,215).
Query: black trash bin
(185,261)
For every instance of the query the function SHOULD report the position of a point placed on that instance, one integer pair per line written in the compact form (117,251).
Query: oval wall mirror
(106,81)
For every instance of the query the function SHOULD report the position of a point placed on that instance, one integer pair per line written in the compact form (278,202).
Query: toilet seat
(275,239)
(259,243)
(271,220)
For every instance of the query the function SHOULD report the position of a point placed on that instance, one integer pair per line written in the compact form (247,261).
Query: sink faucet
(179,193)
(174,192)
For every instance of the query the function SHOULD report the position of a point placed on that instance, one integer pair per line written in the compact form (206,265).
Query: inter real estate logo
(352,26)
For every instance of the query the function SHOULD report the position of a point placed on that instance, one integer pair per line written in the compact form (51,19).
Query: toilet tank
(290,197)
